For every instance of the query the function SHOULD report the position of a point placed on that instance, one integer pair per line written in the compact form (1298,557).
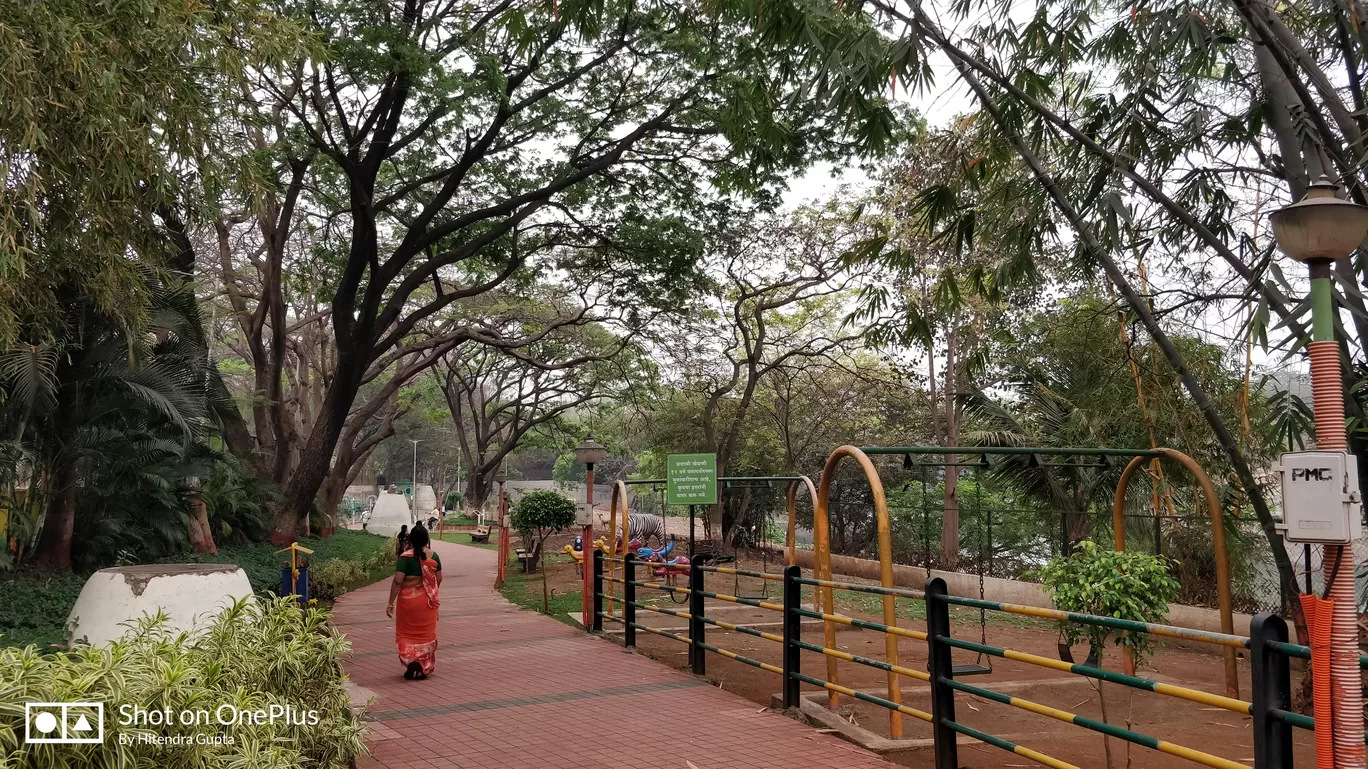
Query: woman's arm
(395,584)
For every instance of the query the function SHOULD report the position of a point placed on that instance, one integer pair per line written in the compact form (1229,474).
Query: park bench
(480,535)
(527,558)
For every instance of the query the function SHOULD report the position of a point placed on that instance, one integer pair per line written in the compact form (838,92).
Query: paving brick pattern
(515,689)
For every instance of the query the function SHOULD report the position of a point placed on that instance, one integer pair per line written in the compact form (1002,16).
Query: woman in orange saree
(413,603)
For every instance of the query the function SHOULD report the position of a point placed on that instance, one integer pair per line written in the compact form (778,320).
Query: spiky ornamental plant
(254,655)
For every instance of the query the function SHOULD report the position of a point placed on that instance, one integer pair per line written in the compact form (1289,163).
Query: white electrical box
(507,521)
(583,515)
(1320,496)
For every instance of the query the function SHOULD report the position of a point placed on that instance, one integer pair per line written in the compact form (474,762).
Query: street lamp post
(413,478)
(1317,230)
(500,477)
(589,453)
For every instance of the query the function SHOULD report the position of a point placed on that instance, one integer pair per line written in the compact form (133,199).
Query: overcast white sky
(948,99)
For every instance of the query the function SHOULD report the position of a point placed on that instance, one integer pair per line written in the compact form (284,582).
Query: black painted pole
(942,670)
(629,600)
(793,628)
(598,590)
(691,533)
(1271,681)
(699,657)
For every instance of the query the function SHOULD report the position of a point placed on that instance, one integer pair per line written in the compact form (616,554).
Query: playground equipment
(618,511)
(648,554)
(822,591)
(916,456)
(1036,454)
(1267,644)
(1269,653)
(294,579)
(662,565)
(576,550)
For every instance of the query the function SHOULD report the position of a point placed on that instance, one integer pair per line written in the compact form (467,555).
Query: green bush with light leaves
(1126,585)
(254,656)
(536,516)
(539,514)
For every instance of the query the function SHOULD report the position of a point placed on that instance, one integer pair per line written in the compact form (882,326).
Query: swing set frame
(822,536)
(796,483)
(1072,456)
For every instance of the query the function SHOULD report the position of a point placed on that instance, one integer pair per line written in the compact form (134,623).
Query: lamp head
(1320,226)
(591,452)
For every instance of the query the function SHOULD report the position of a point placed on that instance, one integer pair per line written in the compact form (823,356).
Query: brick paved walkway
(510,691)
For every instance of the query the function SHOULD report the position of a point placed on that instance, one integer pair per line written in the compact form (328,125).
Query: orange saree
(415,619)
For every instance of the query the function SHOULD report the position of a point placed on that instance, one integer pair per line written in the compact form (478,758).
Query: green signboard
(691,479)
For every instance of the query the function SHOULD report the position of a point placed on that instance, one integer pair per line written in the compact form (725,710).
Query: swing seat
(1066,655)
(974,669)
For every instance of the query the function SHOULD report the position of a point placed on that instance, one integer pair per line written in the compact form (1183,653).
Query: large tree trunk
(234,428)
(476,491)
(315,459)
(333,489)
(201,535)
(54,546)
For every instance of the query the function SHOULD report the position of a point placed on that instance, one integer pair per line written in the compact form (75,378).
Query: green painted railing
(1269,655)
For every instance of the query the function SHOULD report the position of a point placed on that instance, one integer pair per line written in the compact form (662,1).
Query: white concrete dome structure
(424,500)
(391,512)
(191,594)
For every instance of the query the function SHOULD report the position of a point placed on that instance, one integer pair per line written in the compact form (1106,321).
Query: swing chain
(987,554)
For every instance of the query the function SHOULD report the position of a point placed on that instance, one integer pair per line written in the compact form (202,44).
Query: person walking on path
(401,541)
(413,603)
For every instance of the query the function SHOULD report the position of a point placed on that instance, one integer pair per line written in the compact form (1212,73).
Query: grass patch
(525,590)
(36,603)
(35,607)
(463,538)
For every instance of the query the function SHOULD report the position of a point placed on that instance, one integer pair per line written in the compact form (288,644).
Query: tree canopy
(270,251)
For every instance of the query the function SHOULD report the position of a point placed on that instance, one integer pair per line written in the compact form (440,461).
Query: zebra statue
(641,527)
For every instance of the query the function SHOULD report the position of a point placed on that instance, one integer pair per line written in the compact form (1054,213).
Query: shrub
(335,576)
(1128,585)
(254,656)
(35,606)
(1131,585)
(237,501)
(541,513)
(538,515)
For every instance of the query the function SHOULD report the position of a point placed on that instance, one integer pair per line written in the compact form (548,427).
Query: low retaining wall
(1006,590)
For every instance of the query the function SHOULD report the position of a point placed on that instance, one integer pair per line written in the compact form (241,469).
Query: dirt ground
(1211,730)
